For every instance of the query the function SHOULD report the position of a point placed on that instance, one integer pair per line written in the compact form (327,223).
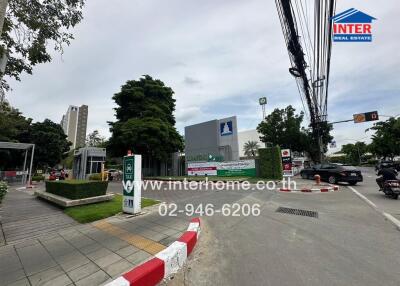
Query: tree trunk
(3,9)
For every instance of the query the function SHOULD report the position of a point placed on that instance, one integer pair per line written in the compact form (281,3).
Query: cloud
(218,56)
(190,81)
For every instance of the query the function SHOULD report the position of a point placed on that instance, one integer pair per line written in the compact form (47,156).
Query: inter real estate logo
(352,26)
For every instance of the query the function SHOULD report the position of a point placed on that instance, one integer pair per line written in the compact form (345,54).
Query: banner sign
(132,184)
(287,162)
(224,169)
(237,168)
(202,169)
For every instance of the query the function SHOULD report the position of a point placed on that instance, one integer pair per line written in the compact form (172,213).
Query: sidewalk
(89,254)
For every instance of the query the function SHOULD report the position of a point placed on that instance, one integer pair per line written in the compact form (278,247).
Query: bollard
(317,179)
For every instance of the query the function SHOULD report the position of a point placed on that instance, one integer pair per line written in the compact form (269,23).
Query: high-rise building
(74,124)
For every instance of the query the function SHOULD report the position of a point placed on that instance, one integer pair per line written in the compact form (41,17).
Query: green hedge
(270,163)
(3,190)
(95,177)
(76,189)
(37,178)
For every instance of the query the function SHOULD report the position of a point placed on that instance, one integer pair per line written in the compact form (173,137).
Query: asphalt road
(349,243)
(369,189)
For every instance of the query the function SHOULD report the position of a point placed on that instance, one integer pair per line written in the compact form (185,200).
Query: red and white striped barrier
(323,189)
(165,263)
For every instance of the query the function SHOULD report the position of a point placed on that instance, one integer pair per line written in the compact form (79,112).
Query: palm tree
(250,148)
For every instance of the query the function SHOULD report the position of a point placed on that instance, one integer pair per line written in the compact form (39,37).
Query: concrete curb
(323,189)
(165,263)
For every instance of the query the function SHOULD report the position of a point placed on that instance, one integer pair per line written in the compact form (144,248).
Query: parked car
(114,174)
(333,173)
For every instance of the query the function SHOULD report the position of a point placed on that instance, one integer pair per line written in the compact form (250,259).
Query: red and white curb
(165,263)
(324,189)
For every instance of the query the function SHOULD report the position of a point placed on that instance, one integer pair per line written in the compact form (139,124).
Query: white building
(246,136)
(74,124)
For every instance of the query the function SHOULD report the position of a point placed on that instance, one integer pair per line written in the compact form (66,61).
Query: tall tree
(30,26)
(283,127)
(354,152)
(94,139)
(13,125)
(250,148)
(145,120)
(386,140)
(51,144)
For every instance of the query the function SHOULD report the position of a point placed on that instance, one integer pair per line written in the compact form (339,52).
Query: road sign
(367,116)
(262,100)
(287,165)
(132,184)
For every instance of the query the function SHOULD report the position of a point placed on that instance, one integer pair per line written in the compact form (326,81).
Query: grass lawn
(93,212)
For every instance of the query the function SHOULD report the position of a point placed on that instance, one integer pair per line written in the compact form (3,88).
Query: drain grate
(297,212)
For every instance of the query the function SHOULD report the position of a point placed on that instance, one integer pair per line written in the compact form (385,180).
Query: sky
(218,56)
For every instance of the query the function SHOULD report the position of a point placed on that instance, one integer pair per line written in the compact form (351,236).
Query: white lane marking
(389,217)
(363,197)
(394,220)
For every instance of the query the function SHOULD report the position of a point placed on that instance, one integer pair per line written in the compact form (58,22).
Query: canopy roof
(12,145)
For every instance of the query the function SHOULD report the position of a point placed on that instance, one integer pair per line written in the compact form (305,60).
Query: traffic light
(364,117)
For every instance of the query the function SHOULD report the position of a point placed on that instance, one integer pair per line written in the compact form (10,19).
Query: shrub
(270,163)
(38,178)
(3,190)
(95,177)
(77,189)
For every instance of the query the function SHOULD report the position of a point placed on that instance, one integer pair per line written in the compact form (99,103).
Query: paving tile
(99,253)
(58,246)
(94,279)
(83,271)
(62,280)
(90,248)
(44,276)
(9,261)
(35,259)
(72,260)
(21,282)
(26,243)
(107,260)
(138,257)
(118,268)
(8,277)
(126,251)
(114,243)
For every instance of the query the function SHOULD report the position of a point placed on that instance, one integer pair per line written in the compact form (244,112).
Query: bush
(77,189)
(38,178)
(95,177)
(3,190)
(270,163)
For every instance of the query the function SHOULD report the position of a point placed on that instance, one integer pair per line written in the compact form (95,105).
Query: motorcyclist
(386,174)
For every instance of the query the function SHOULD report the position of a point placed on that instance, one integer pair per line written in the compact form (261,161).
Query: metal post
(24,168)
(31,165)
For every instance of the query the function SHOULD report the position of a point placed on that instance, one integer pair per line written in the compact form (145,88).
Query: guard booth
(87,161)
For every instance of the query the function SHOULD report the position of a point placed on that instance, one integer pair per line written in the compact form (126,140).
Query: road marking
(363,197)
(393,220)
(148,245)
(389,217)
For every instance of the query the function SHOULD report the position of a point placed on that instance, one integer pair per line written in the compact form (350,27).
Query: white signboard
(202,169)
(132,183)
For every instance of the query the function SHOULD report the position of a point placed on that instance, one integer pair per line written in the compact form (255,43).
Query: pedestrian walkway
(23,216)
(89,254)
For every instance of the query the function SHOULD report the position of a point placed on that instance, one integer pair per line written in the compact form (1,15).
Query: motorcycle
(391,189)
